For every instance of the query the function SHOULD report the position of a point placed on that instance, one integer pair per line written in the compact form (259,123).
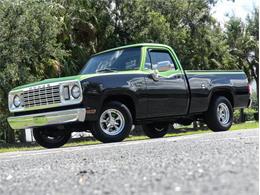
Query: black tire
(106,136)
(212,119)
(156,130)
(51,137)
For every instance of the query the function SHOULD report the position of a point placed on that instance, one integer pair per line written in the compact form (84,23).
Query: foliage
(249,114)
(243,42)
(254,104)
(29,50)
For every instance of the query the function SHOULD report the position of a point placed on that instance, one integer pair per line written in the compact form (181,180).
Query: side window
(148,64)
(162,60)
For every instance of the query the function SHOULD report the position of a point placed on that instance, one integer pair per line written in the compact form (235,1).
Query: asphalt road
(212,163)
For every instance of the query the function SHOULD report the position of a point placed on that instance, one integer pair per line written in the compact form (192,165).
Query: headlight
(75,91)
(16,101)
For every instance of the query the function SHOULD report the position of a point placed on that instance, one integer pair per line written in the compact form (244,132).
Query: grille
(45,95)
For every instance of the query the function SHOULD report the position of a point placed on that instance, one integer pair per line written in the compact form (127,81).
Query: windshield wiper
(106,70)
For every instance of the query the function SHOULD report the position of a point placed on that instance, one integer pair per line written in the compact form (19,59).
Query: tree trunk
(257,92)
(10,136)
(255,72)
(22,137)
(242,117)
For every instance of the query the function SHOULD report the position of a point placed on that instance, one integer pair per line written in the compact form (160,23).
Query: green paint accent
(141,67)
(169,73)
(40,120)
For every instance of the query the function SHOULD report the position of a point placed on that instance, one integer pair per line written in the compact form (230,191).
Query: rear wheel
(114,123)
(156,130)
(220,114)
(51,137)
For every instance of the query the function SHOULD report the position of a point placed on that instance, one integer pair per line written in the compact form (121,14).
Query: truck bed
(202,84)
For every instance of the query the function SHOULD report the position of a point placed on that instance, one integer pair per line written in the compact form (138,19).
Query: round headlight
(16,101)
(75,91)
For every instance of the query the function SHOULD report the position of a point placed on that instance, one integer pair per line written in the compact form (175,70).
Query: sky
(239,8)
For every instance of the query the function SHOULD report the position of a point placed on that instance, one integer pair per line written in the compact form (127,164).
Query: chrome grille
(44,95)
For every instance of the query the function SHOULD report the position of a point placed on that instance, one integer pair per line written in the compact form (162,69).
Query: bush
(254,104)
(249,115)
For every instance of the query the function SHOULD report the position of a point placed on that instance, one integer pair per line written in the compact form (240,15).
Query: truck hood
(47,81)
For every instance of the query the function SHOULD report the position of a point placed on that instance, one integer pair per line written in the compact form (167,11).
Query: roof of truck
(135,45)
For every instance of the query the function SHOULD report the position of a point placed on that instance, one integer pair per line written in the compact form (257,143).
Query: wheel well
(227,94)
(125,99)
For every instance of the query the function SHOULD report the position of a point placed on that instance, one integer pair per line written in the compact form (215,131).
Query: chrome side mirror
(155,75)
(164,66)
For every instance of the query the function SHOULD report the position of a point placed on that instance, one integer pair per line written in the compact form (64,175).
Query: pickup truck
(141,84)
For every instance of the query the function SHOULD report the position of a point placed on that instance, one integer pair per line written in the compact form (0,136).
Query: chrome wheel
(223,113)
(112,122)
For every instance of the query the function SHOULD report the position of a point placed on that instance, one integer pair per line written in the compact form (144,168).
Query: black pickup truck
(141,84)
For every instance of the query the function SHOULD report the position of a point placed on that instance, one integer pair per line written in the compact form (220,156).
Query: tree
(253,58)
(29,50)
(243,41)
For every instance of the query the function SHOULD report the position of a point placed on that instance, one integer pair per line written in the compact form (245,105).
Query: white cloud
(240,8)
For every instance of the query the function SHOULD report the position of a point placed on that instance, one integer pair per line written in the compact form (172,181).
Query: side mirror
(155,75)
(164,66)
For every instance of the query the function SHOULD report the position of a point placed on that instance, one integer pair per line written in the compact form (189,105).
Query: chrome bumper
(47,118)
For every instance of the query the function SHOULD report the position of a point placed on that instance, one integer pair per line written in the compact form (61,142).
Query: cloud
(240,8)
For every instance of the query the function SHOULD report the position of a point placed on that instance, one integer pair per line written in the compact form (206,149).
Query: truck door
(167,91)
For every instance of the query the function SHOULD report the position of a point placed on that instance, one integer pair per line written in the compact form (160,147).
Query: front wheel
(114,123)
(220,114)
(156,130)
(51,137)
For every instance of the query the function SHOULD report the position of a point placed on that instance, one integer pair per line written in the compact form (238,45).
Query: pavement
(210,163)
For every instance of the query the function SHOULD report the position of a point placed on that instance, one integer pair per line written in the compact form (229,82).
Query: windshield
(119,60)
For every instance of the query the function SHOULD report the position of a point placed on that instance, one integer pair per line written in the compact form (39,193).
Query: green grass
(183,131)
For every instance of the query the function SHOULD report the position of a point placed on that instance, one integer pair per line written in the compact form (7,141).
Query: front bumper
(47,118)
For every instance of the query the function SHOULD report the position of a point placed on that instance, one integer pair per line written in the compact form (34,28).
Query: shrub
(249,115)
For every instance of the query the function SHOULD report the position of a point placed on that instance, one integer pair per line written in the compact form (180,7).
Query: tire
(219,117)
(51,137)
(113,127)
(155,130)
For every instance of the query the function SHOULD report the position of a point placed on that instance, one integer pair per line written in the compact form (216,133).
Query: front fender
(97,89)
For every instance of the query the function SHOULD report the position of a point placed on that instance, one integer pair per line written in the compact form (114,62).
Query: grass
(182,131)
